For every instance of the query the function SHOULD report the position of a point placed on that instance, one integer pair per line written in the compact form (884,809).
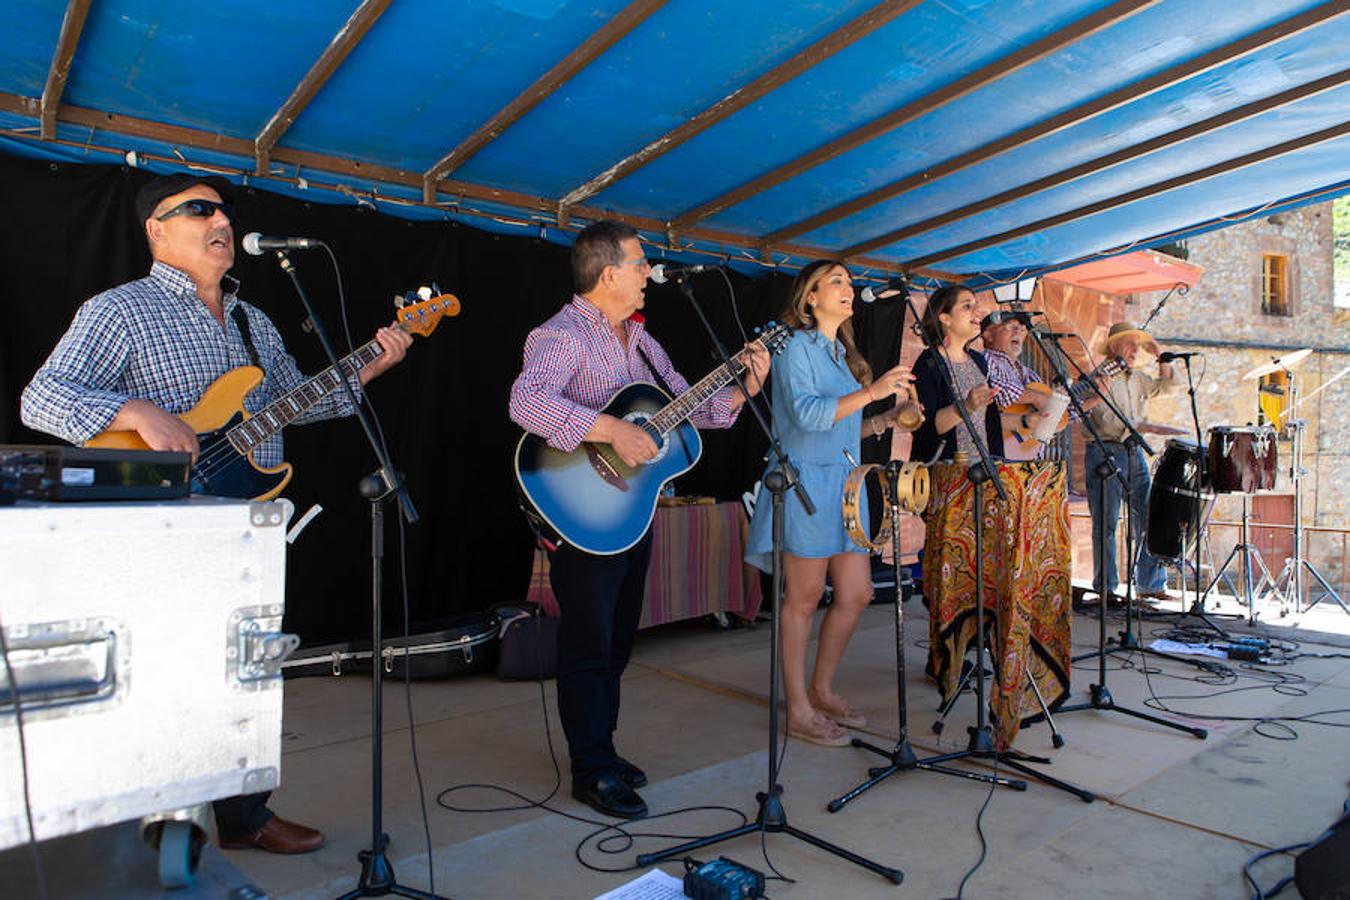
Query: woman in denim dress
(820,385)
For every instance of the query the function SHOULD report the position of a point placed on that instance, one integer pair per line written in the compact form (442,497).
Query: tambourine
(912,489)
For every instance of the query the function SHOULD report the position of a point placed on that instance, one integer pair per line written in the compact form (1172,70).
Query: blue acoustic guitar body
(589,496)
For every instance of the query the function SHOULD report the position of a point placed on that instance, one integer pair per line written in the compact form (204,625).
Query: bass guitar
(1018,442)
(591,498)
(227,435)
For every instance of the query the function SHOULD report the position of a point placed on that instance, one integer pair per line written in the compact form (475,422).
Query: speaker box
(1322,872)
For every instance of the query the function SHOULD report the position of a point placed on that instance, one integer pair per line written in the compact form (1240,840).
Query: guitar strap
(241,319)
(647,361)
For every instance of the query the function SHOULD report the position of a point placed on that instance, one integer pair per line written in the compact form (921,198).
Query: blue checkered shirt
(154,339)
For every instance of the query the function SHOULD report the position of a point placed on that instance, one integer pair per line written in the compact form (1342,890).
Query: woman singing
(820,387)
(951,316)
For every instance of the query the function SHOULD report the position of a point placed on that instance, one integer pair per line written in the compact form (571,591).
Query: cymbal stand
(1290,585)
(901,757)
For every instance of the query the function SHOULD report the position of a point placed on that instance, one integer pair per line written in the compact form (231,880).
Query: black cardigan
(934,395)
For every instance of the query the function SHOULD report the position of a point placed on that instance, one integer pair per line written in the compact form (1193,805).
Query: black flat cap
(150,196)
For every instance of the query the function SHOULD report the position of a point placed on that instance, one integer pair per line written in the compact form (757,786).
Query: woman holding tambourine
(820,385)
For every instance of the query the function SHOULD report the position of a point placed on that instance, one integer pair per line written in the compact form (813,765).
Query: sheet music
(655,885)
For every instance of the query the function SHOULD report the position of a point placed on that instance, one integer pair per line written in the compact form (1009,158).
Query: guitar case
(440,648)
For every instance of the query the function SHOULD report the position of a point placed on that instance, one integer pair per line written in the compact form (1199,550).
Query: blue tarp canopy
(963,138)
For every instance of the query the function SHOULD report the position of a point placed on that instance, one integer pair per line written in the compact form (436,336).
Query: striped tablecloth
(696,568)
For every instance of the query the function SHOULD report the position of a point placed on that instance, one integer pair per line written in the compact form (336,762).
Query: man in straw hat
(1130,393)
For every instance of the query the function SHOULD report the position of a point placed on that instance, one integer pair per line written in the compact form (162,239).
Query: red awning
(1131,273)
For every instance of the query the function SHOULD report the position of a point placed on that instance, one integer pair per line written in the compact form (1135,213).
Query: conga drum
(1172,520)
(1242,460)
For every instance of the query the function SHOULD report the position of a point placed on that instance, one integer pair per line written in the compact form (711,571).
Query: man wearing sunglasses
(139,354)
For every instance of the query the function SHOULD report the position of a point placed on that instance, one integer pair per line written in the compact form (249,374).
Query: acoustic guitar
(227,435)
(591,498)
(1018,443)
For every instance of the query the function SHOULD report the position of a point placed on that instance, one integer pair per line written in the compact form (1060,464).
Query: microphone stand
(1202,481)
(901,758)
(772,817)
(1124,640)
(981,745)
(377,874)
(1099,694)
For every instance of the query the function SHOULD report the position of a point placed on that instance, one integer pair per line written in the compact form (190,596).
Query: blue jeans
(1149,574)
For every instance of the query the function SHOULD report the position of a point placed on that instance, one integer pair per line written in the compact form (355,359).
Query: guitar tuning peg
(424,293)
(399,301)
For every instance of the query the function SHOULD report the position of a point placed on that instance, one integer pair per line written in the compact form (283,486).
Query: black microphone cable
(38,870)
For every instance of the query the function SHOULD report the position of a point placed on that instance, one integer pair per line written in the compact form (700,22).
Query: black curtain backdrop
(68,232)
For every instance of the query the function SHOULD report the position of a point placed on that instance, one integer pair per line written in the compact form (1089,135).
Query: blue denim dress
(808,380)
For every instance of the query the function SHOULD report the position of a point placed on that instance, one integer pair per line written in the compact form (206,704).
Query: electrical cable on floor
(403,579)
(606,833)
(38,870)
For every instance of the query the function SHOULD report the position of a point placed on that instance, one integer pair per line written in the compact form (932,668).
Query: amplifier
(51,472)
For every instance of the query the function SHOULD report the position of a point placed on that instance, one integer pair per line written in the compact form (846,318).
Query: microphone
(1055,335)
(872,293)
(1168,357)
(663,272)
(999,316)
(256,244)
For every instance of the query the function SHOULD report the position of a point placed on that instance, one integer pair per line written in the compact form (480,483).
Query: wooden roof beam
(1213,123)
(821,50)
(961,87)
(62,58)
(1081,113)
(1222,168)
(613,31)
(180,136)
(348,36)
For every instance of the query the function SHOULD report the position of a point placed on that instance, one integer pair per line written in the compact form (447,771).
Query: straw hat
(1124,330)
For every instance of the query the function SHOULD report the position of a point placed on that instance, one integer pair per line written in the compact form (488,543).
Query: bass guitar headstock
(419,312)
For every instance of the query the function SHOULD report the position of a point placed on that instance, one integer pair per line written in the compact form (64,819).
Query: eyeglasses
(641,262)
(199,209)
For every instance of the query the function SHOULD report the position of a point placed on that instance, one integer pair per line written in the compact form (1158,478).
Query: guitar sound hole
(662,446)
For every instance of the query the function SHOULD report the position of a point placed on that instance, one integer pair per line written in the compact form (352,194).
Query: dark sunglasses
(199,209)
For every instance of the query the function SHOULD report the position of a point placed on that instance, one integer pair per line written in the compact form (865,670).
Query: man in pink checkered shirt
(574,364)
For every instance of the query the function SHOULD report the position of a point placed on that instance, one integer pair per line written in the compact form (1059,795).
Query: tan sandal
(842,713)
(821,731)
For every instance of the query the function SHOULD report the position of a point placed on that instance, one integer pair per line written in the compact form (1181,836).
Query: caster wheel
(180,849)
(1057,740)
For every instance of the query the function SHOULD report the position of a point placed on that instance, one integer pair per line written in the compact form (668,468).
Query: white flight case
(145,641)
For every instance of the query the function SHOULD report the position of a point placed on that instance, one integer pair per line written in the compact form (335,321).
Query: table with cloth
(1027,594)
(696,567)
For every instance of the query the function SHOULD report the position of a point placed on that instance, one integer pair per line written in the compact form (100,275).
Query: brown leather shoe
(278,836)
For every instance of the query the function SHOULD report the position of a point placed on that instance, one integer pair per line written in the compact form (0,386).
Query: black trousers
(238,817)
(601,602)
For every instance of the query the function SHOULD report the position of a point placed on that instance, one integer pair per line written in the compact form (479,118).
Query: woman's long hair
(798,315)
(942,301)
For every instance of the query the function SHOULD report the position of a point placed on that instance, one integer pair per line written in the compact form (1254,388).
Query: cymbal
(1288,361)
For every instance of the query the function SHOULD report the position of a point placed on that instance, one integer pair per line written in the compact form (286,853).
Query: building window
(1275,285)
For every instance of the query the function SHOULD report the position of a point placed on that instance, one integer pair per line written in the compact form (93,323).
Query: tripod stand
(1099,694)
(1290,585)
(772,817)
(377,875)
(901,757)
(1246,553)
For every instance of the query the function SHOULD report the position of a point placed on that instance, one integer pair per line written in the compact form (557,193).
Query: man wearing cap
(139,354)
(1130,393)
